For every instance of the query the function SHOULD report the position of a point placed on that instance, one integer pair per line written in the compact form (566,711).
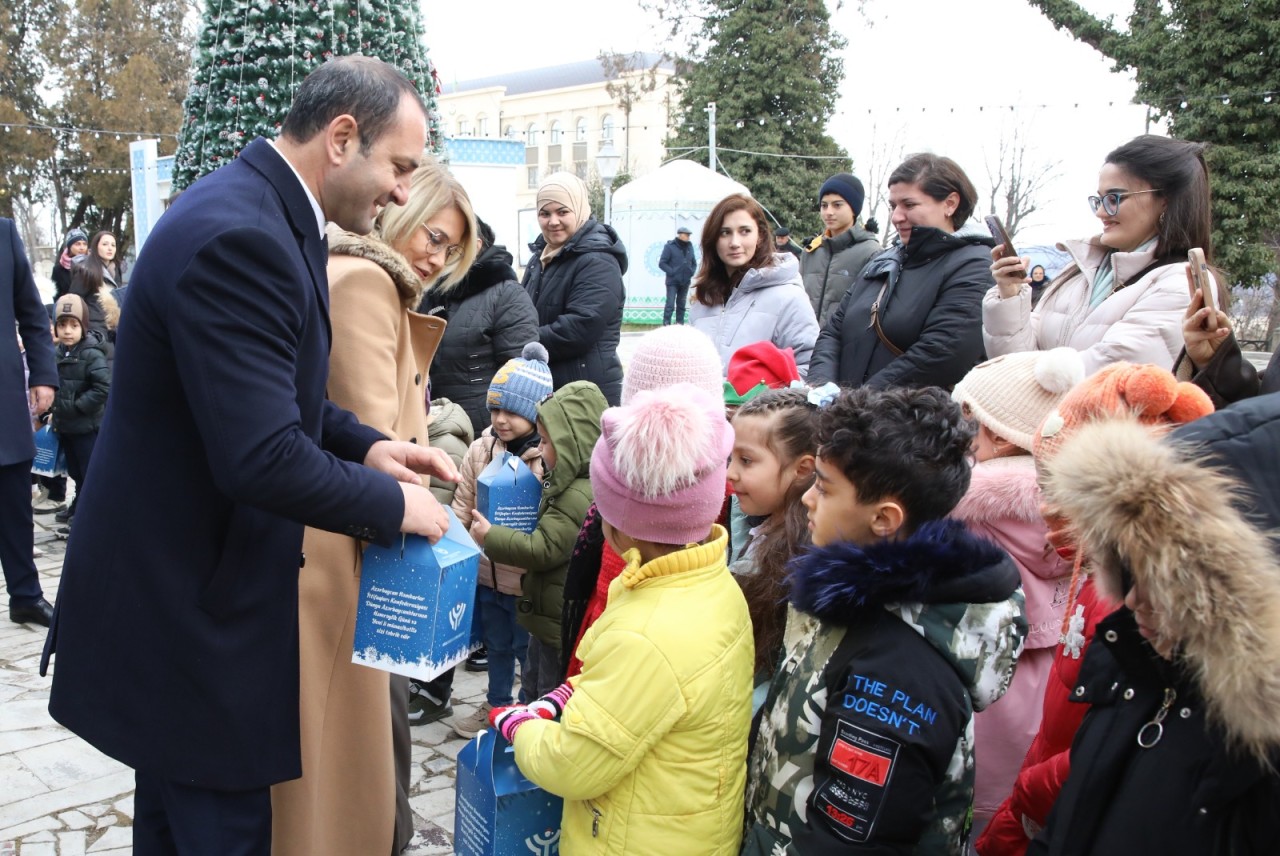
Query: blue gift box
(414,613)
(498,811)
(508,493)
(50,459)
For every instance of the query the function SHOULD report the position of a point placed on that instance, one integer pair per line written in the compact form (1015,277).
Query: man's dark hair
(909,445)
(366,88)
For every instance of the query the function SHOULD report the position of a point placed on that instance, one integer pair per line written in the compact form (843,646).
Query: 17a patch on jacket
(862,765)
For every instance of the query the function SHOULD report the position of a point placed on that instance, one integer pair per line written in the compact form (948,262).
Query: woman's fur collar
(408,284)
(939,563)
(1134,500)
(1001,489)
(110,308)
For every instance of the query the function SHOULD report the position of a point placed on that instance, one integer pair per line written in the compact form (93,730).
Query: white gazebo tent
(646,214)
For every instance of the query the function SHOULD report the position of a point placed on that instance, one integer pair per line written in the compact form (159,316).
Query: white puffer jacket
(1139,322)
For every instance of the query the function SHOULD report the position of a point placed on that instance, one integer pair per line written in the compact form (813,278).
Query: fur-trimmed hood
(1001,487)
(958,591)
(1137,502)
(408,284)
(492,267)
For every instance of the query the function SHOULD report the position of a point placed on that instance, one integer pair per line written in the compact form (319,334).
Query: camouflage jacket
(866,738)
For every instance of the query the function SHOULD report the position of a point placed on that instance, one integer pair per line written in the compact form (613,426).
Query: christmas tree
(253,54)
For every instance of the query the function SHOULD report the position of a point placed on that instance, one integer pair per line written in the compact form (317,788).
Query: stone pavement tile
(39,805)
(433,804)
(452,748)
(18,779)
(445,822)
(62,764)
(16,741)
(75,820)
(73,843)
(21,713)
(32,827)
(107,820)
(430,840)
(433,732)
(39,848)
(124,807)
(114,838)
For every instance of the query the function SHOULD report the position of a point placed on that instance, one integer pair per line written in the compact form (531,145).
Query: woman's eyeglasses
(1110,202)
(438,245)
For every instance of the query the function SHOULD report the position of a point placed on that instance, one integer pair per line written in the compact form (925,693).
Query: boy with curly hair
(901,624)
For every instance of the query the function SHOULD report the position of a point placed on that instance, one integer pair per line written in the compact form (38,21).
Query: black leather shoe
(39,612)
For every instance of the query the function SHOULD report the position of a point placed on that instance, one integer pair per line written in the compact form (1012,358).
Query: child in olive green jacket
(569,424)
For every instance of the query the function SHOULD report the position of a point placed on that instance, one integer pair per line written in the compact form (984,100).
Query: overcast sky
(916,74)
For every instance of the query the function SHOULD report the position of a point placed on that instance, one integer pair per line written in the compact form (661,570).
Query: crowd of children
(874,662)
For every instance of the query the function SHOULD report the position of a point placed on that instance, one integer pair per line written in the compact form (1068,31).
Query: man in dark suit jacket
(20,305)
(176,622)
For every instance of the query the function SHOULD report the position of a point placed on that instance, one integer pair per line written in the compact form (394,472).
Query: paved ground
(61,797)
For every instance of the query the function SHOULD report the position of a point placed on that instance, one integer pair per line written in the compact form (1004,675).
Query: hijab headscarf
(570,191)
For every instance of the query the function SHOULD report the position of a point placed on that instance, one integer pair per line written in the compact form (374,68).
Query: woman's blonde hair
(431,190)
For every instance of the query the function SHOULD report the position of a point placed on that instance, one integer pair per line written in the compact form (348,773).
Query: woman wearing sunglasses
(346,800)
(1125,292)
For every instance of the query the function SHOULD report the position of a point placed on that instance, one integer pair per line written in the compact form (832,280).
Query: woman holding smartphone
(1125,293)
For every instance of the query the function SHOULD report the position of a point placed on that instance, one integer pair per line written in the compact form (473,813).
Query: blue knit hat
(847,186)
(522,383)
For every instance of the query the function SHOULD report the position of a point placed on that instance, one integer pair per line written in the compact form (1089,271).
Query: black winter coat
(490,320)
(1186,794)
(578,297)
(931,310)
(84,377)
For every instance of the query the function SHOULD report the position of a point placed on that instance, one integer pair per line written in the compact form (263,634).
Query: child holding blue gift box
(513,400)
(568,423)
(650,750)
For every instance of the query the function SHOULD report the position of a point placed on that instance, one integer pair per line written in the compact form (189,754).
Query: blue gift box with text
(414,613)
(498,811)
(508,493)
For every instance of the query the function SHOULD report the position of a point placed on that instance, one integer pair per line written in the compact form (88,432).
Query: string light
(97,132)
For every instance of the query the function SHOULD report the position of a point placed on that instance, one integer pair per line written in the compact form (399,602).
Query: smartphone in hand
(1001,235)
(1202,281)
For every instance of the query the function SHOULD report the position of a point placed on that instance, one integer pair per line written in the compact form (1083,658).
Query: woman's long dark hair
(88,275)
(1178,170)
(713,285)
(793,432)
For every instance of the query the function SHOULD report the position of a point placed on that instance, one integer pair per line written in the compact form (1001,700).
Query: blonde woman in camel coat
(346,800)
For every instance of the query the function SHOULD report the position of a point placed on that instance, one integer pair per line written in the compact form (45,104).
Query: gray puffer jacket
(830,265)
(491,319)
(768,305)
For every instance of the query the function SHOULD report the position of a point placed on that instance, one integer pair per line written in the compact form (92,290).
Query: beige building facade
(563,115)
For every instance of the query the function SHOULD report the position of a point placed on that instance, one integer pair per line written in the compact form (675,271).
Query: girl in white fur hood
(1009,397)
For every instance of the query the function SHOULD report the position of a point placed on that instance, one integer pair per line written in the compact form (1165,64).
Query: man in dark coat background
(21,306)
(678,263)
(175,627)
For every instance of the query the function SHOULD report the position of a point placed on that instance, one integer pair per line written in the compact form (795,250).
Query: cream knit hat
(1012,394)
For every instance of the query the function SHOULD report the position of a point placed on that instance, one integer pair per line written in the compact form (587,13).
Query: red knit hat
(760,363)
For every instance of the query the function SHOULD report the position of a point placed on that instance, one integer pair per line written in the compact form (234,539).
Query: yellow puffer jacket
(650,751)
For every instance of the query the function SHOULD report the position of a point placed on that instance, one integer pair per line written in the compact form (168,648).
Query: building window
(580,133)
(446,128)
(511,133)
(557,131)
(533,178)
(464,127)
(533,136)
(482,126)
(606,129)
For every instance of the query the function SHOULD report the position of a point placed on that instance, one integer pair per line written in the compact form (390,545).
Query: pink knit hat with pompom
(658,469)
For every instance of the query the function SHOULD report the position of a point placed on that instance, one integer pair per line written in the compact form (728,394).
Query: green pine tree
(1211,68)
(253,54)
(773,68)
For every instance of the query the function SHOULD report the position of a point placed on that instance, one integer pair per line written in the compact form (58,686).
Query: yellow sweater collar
(694,557)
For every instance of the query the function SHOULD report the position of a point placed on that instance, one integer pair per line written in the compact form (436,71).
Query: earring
(1162,218)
